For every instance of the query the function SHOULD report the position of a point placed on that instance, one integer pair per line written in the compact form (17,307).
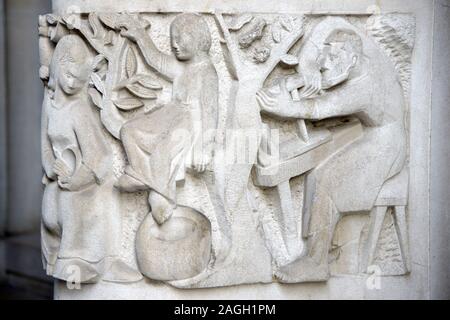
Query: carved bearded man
(348,181)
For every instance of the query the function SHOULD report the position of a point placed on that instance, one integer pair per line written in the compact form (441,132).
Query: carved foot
(127,183)
(78,270)
(162,209)
(119,271)
(303,270)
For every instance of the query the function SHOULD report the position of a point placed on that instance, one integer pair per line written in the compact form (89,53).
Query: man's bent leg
(131,137)
(314,266)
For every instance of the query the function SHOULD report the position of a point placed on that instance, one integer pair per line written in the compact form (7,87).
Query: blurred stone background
(21,273)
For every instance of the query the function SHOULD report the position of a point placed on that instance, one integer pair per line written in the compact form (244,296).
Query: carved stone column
(213,144)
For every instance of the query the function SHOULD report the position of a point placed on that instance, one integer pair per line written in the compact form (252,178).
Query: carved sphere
(178,249)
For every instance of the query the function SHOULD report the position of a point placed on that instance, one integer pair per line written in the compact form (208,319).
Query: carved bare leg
(294,243)
(265,147)
(314,266)
(129,182)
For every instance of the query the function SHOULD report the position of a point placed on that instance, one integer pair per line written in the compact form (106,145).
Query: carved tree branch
(229,48)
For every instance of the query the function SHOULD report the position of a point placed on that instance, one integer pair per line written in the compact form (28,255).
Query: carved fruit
(240,21)
(261,54)
(255,33)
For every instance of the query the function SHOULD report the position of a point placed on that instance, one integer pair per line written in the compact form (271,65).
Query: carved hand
(351,65)
(313,83)
(200,166)
(132,29)
(61,169)
(276,103)
(82,178)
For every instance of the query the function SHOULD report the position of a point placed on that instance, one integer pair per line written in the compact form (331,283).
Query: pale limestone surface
(359,179)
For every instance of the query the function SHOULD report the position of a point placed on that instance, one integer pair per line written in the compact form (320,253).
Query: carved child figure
(80,218)
(178,136)
(348,181)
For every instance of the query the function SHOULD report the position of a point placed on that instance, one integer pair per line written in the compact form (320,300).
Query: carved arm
(167,65)
(48,158)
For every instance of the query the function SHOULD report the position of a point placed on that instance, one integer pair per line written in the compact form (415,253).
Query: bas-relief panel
(211,150)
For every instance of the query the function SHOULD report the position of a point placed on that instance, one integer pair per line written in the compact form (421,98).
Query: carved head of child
(70,67)
(342,49)
(190,36)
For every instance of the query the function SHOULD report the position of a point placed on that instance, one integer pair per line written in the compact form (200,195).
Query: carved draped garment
(159,144)
(79,224)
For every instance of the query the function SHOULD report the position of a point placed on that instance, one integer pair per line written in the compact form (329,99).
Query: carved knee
(127,132)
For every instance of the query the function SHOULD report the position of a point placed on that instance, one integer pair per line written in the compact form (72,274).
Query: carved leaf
(261,54)
(255,33)
(96,97)
(145,22)
(122,84)
(128,103)
(145,80)
(286,23)
(98,83)
(131,63)
(141,92)
(149,82)
(289,60)
(109,19)
(240,21)
(71,21)
(276,33)
(94,22)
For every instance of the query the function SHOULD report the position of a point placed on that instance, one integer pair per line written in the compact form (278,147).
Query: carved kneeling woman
(81,219)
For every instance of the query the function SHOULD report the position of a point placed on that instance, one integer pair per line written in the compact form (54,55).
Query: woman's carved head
(190,35)
(70,67)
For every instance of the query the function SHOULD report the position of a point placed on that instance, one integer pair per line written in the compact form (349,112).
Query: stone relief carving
(80,209)
(234,143)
